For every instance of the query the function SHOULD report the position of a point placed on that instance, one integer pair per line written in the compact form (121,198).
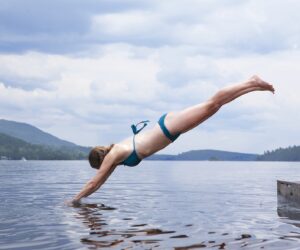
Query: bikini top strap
(136,131)
(134,127)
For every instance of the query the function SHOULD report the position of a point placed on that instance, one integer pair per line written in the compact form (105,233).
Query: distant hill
(161,157)
(282,154)
(15,149)
(207,154)
(33,135)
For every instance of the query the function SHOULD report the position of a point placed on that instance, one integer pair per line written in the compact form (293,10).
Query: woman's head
(97,155)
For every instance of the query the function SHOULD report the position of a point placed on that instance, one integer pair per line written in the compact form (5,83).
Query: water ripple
(178,205)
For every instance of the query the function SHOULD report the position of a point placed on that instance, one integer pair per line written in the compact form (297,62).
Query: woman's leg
(183,121)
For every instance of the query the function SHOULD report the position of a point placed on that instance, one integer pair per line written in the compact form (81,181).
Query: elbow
(93,185)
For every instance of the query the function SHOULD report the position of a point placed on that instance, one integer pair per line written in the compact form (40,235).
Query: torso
(146,143)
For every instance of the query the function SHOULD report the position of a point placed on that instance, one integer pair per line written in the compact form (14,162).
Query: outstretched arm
(107,167)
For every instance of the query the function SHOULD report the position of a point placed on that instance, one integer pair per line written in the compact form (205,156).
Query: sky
(86,70)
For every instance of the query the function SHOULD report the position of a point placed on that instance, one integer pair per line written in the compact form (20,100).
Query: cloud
(29,72)
(52,26)
(227,28)
(213,27)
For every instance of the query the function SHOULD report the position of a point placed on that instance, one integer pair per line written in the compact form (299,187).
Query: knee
(213,105)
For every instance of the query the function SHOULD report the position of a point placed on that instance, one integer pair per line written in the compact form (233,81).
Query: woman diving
(132,150)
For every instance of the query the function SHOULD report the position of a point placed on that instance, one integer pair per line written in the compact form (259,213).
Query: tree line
(291,153)
(15,149)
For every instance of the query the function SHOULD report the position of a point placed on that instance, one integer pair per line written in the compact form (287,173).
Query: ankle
(251,83)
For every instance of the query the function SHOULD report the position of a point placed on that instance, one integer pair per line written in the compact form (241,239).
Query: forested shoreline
(15,149)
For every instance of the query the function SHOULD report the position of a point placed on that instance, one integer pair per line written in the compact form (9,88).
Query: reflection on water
(288,210)
(158,205)
(102,235)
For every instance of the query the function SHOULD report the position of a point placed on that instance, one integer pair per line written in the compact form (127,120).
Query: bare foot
(262,84)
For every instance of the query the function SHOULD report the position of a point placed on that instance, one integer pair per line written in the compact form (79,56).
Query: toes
(272,89)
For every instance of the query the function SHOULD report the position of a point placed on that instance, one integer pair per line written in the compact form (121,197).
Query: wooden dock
(288,191)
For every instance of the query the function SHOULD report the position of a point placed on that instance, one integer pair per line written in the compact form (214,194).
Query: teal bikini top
(133,159)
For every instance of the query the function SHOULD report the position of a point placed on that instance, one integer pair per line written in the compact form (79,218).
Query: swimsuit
(133,159)
(163,127)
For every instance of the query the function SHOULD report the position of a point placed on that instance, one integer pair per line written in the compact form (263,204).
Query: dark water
(157,205)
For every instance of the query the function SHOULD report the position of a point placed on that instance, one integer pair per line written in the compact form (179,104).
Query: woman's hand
(72,203)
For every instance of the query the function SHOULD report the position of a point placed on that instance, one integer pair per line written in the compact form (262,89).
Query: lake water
(156,205)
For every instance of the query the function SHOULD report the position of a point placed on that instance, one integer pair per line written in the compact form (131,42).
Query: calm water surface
(156,205)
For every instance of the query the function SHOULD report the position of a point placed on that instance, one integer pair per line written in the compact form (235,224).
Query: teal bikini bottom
(133,159)
(163,127)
